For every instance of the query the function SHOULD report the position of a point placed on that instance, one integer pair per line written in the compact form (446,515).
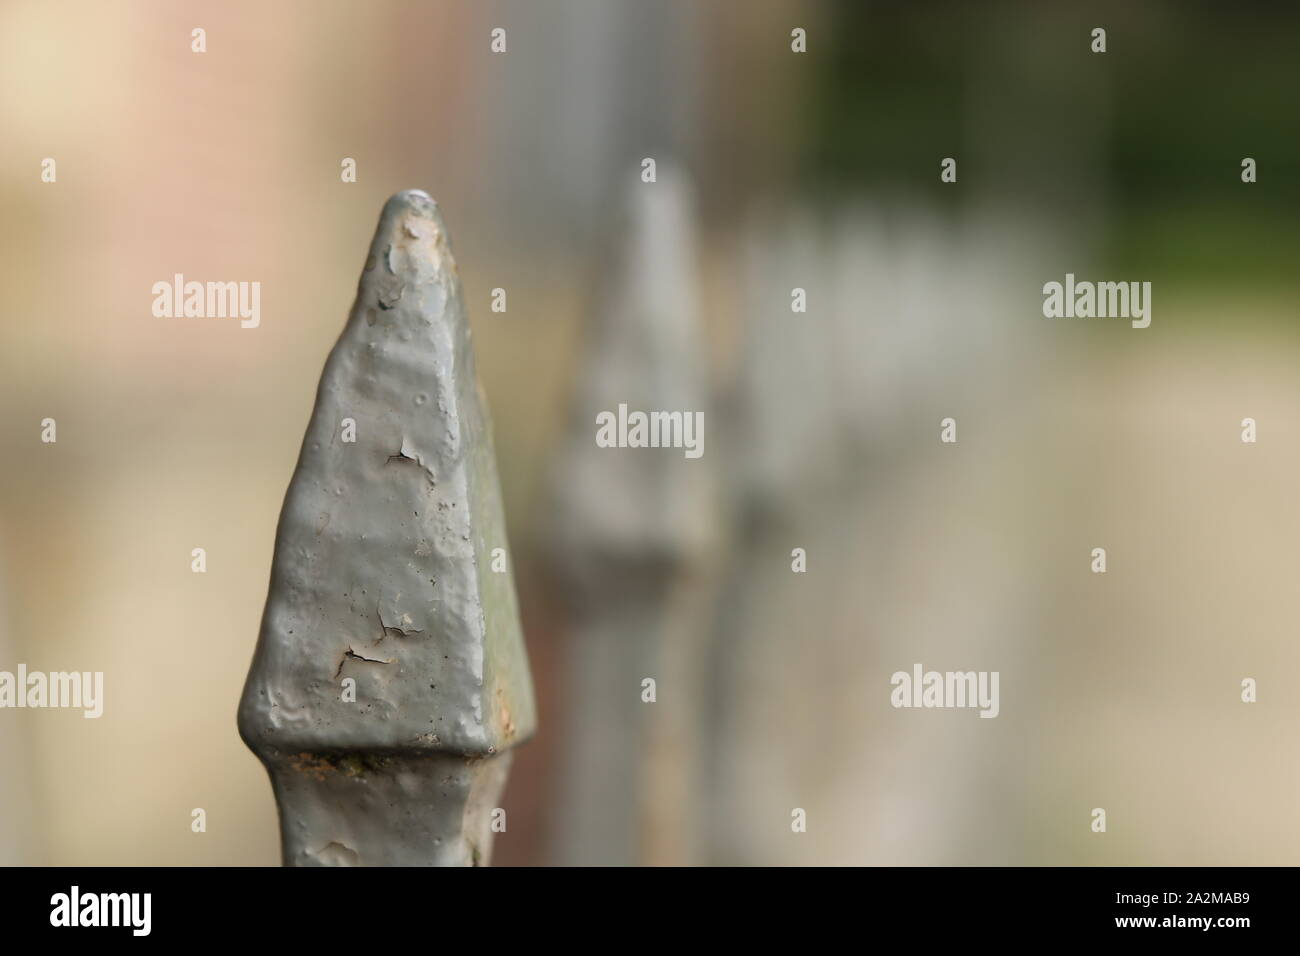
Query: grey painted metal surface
(632,528)
(383,575)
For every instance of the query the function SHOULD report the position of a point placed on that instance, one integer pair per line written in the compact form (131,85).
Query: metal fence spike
(390,679)
(632,527)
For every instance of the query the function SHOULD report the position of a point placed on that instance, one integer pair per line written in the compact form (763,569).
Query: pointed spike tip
(382,568)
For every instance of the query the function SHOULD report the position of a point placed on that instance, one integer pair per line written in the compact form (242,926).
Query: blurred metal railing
(630,540)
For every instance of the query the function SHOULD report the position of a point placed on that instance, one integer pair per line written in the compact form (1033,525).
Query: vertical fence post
(631,527)
(390,679)
(780,408)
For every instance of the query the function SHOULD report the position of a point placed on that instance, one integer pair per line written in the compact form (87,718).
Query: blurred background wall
(778,170)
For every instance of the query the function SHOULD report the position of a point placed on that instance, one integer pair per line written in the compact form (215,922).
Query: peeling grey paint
(382,574)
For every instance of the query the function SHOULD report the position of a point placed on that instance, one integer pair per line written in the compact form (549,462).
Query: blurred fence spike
(632,526)
(390,679)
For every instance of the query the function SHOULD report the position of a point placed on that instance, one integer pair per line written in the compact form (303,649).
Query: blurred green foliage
(1148,136)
